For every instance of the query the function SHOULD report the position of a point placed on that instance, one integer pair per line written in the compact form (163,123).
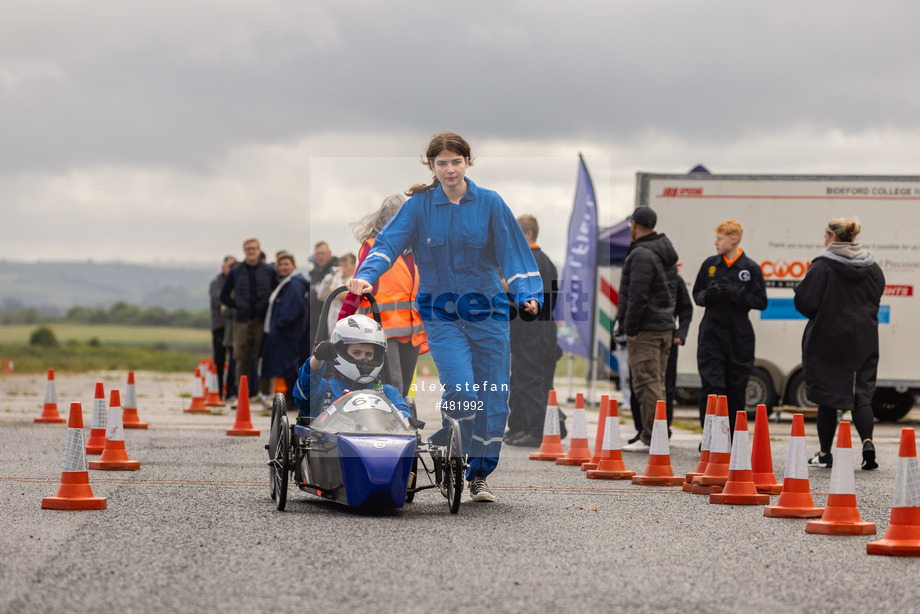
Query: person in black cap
(648,294)
(728,285)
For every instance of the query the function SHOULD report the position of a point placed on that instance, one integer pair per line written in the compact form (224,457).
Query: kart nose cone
(375,468)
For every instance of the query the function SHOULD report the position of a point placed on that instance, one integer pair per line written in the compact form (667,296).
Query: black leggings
(863,420)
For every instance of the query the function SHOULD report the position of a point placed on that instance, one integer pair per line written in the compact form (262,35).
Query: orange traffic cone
(114,456)
(74,493)
(579,452)
(243,425)
(720,453)
(197,405)
(551,446)
(795,499)
(762,456)
(610,466)
(658,472)
(739,486)
(841,516)
(599,437)
(50,413)
(130,419)
(95,443)
(212,398)
(705,445)
(903,535)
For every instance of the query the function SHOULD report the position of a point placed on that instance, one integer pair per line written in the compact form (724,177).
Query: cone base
(780,511)
(545,456)
(572,462)
(657,480)
(215,404)
(127,465)
(595,474)
(767,488)
(589,466)
(693,474)
(894,547)
(52,420)
(95,449)
(135,425)
(723,498)
(822,527)
(699,489)
(711,480)
(243,432)
(80,503)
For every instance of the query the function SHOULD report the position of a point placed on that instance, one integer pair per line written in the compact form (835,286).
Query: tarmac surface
(195,529)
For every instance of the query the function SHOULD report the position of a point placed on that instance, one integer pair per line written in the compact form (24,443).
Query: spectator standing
(461,234)
(247,289)
(683,313)
(648,296)
(534,352)
(218,321)
(395,293)
(728,285)
(840,295)
(284,326)
(323,262)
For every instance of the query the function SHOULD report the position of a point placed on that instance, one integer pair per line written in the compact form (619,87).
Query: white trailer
(784,218)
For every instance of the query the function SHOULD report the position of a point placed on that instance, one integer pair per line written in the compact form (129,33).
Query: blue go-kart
(361,451)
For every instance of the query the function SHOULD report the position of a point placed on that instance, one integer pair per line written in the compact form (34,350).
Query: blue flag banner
(574,312)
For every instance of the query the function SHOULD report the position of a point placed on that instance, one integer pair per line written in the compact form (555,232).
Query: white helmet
(358,329)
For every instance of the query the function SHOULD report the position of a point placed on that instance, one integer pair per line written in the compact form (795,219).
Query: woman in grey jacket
(840,295)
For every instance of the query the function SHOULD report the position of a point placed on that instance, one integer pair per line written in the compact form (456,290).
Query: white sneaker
(479,491)
(637,446)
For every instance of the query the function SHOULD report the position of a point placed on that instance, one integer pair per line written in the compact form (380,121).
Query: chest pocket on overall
(475,256)
(431,253)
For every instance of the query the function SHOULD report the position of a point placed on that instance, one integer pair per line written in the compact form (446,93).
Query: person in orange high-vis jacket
(395,293)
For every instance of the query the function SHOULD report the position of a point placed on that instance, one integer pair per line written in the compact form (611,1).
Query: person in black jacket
(728,285)
(247,289)
(683,311)
(648,295)
(840,296)
(534,352)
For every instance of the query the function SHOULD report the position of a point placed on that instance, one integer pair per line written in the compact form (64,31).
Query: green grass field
(112,334)
(118,348)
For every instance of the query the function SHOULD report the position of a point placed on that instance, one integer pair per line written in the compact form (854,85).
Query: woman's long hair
(446,141)
(371,224)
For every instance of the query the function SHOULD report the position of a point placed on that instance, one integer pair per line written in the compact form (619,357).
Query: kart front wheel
(281,459)
(454,467)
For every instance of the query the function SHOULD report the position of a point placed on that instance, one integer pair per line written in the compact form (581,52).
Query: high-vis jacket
(458,249)
(395,294)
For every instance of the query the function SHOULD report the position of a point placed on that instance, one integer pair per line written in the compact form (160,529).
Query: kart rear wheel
(453,467)
(281,460)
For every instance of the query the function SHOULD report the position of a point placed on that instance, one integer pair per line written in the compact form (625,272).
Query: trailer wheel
(687,396)
(795,391)
(759,392)
(889,405)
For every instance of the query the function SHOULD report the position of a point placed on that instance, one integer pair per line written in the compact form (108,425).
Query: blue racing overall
(458,249)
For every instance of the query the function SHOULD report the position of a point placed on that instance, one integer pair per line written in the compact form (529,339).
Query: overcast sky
(170,130)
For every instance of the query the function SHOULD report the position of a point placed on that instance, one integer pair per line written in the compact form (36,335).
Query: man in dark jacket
(323,263)
(648,295)
(534,352)
(728,285)
(219,323)
(246,290)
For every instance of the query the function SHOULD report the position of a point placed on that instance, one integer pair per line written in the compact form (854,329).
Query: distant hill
(61,285)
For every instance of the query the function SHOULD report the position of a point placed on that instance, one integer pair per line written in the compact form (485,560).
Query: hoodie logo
(744,275)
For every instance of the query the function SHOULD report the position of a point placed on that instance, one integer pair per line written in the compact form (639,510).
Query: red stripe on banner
(609,292)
